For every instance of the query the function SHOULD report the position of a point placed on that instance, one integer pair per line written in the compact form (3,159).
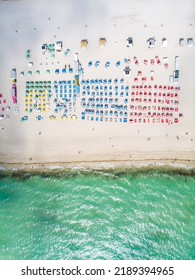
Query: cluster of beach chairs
(104,100)
(65,97)
(154,104)
(113,100)
(37,96)
(4,108)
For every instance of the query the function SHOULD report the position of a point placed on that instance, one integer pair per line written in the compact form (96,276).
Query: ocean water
(97,215)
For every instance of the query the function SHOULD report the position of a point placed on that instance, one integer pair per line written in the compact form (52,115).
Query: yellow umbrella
(84,44)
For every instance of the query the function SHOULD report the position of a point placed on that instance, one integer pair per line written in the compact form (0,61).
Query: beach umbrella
(89,64)
(47,72)
(107,64)
(84,44)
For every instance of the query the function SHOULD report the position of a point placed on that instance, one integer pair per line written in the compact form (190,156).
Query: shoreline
(137,166)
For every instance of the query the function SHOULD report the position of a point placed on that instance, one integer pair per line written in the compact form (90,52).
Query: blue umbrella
(97,63)
(126,101)
(89,63)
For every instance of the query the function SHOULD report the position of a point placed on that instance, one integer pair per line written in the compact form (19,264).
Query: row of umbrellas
(100,81)
(38,82)
(107,63)
(105,100)
(105,87)
(69,82)
(104,113)
(118,107)
(101,94)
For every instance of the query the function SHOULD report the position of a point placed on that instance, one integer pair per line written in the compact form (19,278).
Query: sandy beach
(27,26)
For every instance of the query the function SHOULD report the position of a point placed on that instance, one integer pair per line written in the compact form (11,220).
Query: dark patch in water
(7,195)
(46,217)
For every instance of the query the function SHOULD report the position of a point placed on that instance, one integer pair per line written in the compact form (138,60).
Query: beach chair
(145,62)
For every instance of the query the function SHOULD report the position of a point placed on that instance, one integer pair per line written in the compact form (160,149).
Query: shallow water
(98,215)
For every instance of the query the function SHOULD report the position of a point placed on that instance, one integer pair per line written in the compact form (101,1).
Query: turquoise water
(98,215)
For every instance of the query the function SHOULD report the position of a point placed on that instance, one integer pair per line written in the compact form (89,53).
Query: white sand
(81,141)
